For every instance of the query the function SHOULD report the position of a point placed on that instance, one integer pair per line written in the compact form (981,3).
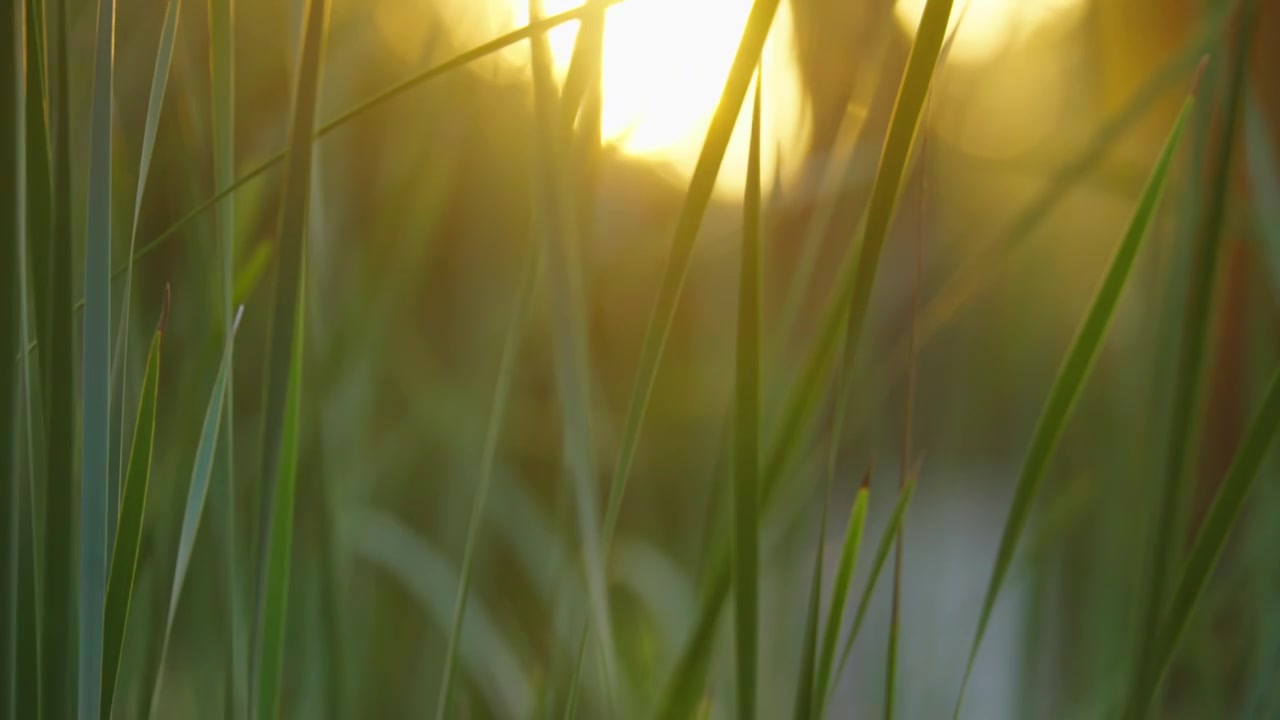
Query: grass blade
(11,230)
(1264,185)
(159,82)
(1185,409)
(497,415)
(746,493)
(809,647)
(882,554)
(124,554)
(197,493)
(1071,378)
(96,364)
(1212,537)
(840,590)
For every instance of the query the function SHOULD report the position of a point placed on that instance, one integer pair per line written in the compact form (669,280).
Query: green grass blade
(497,416)
(1184,413)
(222,81)
(124,554)
(1264,185)
(197,493)
(891,661)
(840,591)
(695,204)
(809,646)
(159,82)
(57,691)
(11,230)
(1071,378)
(746,493)
(1213,535)
(882,554)
(275,592)
(96,369)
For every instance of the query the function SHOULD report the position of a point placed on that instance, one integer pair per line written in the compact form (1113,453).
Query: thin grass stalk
(840,591)
(746,493)
(1185,412)
(11,230)
(809,645)
(96,374)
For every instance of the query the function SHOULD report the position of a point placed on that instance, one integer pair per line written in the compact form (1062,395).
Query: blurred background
(1043,123)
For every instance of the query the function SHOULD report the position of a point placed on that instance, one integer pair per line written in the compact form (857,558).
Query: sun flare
(663,68)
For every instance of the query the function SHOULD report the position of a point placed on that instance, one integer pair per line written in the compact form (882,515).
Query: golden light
(990,26)
(664,66)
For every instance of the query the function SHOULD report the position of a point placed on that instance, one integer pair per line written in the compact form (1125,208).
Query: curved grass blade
(96,374)
(882,554)
(497,415)
(1071,377)
(1184,412)
(809,647)
(124,554)
(1212,537)
(155,102)
(197,492)
(840,591)
(746,493)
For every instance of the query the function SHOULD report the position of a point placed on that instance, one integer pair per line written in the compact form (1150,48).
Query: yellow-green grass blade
(222,83)
(1211,539)
(96,374)
(803,401)
(193,512)
(124,554)
(696,199)
(275,591)
(882,553)
(840,592)
(746,493)
(1184,413)
(155,101)
(1071,377)
(809,646)
(57,690)
(484,50)
(493,432)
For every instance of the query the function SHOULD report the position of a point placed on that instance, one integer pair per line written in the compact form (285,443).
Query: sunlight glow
(990,26)
(664,66)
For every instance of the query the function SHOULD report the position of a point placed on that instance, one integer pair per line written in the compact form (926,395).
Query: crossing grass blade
(1072,375)
(809,646)
(882,553)
(284,372)
(159,83)
(124,554)
(746,493)
(96,374)
(197,493)
(1184,413)
(1211,539)
(497,416)
(840,591)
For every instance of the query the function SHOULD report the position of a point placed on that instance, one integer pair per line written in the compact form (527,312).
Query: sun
(664,66)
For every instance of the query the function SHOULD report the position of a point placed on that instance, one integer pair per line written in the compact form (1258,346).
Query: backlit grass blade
(57,688)
(746,493)
(840,591)
(1184,412)
(96,373)
(284,371)
(159,82)
(847,313)
(1071,378)
(809,646)
(124,554)
(197,493)
(694,207)
(882,553)
(497,416)
(496,45)
(1212,537)
(222,82)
